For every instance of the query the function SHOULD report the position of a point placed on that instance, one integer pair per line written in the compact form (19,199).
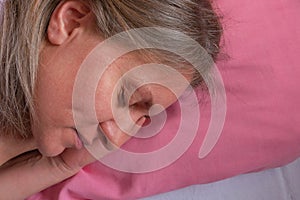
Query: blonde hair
(24,26)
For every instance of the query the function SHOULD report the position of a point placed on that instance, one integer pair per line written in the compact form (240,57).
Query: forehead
(139,59)
(128,61)
(133,71)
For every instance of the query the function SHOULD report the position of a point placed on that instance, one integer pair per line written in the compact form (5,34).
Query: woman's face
(54,130)
(71,36)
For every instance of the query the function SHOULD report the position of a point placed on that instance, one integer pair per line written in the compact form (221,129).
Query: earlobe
(66,18)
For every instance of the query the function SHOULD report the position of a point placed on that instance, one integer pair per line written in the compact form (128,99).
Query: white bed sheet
(275,184)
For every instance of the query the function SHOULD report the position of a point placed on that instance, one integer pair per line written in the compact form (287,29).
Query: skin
(71,36)
(59,65)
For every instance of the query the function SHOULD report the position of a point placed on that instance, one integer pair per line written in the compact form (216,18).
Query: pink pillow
(262,123)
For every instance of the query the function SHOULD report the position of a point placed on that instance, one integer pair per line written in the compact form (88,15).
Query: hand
(40,172)
(31,173)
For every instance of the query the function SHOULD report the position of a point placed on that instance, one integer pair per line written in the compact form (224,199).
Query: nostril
(147,121)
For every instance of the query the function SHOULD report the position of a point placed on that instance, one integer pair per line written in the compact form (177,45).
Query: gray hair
(24,26)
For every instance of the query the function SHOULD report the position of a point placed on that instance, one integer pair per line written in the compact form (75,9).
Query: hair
(24,28)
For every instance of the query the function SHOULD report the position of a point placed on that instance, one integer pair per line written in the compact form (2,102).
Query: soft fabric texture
(280,183)
(262,129)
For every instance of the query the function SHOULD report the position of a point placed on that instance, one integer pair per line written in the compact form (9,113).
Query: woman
(43,44)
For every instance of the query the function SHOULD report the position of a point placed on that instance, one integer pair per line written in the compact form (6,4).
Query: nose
(115,134)
(125,117)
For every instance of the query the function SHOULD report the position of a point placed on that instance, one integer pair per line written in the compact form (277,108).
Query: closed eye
(141,97)
(122,98)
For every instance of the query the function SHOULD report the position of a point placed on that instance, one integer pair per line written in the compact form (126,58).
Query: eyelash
(122,100)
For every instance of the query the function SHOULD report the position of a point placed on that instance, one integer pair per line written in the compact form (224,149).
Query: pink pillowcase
(262,124)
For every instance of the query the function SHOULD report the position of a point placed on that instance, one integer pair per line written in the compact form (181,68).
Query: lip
(78,143)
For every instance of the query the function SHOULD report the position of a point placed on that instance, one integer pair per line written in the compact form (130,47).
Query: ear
(68,16)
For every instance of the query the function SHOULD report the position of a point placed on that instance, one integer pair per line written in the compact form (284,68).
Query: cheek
(53,98)
(104,94)
(163,96)
(103,106)
(56,78)
(54,93)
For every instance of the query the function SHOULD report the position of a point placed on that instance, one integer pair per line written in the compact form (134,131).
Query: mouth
(105,136)
(96,141)
(78,143)
(89,137)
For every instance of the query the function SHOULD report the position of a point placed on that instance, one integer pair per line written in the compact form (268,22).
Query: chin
(50,151)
